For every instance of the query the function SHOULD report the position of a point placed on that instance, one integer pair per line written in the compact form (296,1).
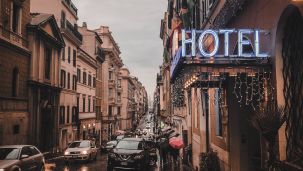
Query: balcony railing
(100,54)
(73,29)
(71,6)
(13,38)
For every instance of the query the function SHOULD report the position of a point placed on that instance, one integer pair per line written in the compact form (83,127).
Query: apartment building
(217,114)
(90,59)
(66,16)
(128,101)
(15,58)
(110,105)
(46,44)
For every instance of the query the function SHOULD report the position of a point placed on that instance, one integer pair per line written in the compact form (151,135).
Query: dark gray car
(21,157)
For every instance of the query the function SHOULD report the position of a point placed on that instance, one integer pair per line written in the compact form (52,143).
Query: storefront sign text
(204,34)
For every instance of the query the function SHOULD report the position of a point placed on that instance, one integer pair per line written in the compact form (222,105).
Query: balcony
(13,38)
(111,83)
(88,115)
(111,100)
(71,31)
(69,4)
(109,119)
(119,102)
(100,55)
(119,88)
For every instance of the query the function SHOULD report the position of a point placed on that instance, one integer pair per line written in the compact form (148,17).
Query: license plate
(123,163)
(74,157)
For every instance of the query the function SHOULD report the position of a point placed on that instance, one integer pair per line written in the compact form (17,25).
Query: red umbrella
(176,143)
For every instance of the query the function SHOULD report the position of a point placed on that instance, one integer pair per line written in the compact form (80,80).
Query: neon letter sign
(241,42)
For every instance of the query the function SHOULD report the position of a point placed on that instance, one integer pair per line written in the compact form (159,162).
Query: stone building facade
(14,71)
(65,13)
(88,69)
(111,94)
(214,113)
(128,100)
(46,43)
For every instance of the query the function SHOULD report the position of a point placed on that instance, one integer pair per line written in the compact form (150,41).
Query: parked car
(129,153)
(21,157)
(84,150)
(110,145)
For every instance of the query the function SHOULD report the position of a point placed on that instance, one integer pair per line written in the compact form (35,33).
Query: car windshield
(9,153)
(131,145)
(82,144)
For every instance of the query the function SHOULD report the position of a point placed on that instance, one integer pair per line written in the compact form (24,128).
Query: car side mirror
(24,156)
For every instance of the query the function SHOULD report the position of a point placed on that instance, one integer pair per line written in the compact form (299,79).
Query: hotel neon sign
(215,35)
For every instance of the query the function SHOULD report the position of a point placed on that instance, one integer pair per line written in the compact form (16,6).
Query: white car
(85,150)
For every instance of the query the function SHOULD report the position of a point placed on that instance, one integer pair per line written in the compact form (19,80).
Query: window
(94,82)
(74,82)
(89,80)
(63,18)
(110,92)
(119,83)
(83,107)
(110,75)
(78,102)
(47,63)
(110,110)
(74,117)
(16,129)
(74,57)
(68,114)
(26,151)
(63,78)
(33,150)
(94,105)
(15,82)
(68,80)
(119,96)
(119,110)
(62,115)
(88,104)
(218,113)
(84,77)
(16,18)
(63,54)
(68,57)
(78,75)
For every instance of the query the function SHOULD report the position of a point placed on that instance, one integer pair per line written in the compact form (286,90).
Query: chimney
(84,24)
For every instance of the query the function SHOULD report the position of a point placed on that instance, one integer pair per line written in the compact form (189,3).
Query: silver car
(85,150)
(21,157)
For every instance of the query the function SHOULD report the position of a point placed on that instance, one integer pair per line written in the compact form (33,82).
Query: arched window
(15,82)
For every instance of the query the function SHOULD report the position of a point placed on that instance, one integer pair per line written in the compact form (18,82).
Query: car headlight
(66,153)
(1,169)
(111,155)
(138,156)
(84,152)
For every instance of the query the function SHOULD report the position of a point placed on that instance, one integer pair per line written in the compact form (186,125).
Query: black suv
(129,153)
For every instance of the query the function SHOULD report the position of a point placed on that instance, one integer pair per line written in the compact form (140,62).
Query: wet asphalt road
(59,165)
(99,165)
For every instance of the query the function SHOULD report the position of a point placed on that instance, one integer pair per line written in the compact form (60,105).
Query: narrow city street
(59,165)
(151,85)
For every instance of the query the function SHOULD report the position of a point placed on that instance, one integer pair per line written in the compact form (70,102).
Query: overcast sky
(135,25)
